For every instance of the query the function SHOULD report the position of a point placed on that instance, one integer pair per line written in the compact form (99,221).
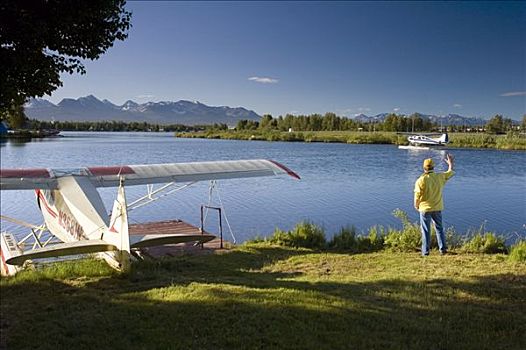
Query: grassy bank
(264,296)
(464,140)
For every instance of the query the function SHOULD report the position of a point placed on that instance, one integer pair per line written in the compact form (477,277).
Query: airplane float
(74,212)
(426,141)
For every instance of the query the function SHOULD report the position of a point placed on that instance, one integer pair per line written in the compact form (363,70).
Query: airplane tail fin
(118,235)
(443,139)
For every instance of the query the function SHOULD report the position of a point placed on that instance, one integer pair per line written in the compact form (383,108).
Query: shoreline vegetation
(510,141)
(291,290)
(405,239)
(498,132)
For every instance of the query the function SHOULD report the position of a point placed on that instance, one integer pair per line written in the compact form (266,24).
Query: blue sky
(467,58)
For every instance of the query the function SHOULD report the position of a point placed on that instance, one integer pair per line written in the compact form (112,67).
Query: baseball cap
(429,164)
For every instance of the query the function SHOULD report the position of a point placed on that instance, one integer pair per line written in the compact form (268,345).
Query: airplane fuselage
(428,141)
(61,213)
(75,212)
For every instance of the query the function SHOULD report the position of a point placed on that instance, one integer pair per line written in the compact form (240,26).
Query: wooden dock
(177,227)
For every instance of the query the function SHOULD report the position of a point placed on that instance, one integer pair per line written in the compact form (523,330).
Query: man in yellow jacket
(428,201)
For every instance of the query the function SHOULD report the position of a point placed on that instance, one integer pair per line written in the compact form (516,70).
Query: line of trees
(313,122)
(500,125)
(113,125)
(392,122)
(332,122)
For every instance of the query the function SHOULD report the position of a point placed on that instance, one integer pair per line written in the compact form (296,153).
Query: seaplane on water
(74,212)
(426,141)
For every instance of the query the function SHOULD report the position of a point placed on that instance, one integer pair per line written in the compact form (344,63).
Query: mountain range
(90,108)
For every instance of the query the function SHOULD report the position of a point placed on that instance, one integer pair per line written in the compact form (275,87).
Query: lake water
(341,184)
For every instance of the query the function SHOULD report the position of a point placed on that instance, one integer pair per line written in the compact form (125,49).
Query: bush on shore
(481,241)
(518,251)
(303,235)
(487,243)
(347,239)
(405,240)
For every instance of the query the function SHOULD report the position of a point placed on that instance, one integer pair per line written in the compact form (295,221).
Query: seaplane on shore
(426,141)
(77,221)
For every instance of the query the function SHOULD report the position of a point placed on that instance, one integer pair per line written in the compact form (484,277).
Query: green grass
(482,140)
(461,140)
(263,296)
(518,251)
(302,136)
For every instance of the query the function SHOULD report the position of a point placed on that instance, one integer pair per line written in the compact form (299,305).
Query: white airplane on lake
(74,213)
(425,141)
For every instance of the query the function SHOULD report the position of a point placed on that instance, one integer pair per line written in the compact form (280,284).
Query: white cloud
(263,80)
(514,93)
(145,96)
(364,109)
(457,105)
(396,109)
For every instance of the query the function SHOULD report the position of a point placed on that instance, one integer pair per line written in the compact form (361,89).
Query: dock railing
(220,222)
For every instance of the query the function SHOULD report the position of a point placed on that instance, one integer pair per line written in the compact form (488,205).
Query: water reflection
(23,140)
(19,141)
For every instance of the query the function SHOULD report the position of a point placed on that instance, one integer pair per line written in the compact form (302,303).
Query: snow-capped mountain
(90,108)
(129,105)
(38,103)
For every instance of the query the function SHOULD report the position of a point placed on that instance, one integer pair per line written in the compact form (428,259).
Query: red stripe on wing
(111,170)
(20,173)
(287,170)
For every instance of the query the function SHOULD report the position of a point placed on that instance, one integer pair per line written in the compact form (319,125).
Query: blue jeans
(425,227)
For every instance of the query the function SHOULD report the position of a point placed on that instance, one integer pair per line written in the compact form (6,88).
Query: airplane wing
(26,179)
(62,249)
(138,241)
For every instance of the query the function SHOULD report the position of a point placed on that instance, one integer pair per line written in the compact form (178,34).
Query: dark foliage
(40,39)
(112,125)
